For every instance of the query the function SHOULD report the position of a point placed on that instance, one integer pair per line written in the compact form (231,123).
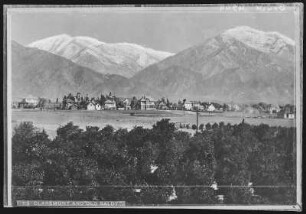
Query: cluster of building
(117,103)
(198,106)
(32,102)
(27,102)
(112,102)
(79,102)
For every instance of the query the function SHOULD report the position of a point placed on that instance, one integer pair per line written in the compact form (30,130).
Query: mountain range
(241,64)
(124,59)
(43,74)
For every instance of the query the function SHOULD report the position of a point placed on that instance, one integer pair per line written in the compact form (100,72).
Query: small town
(112,102)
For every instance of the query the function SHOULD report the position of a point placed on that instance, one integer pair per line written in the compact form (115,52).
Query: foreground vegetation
(110,164)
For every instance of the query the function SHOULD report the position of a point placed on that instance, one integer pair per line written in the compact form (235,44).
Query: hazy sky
(164,30)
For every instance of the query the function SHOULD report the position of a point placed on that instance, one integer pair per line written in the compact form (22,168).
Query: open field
(51,120)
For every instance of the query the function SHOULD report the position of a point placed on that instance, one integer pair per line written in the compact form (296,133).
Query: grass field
(51,120)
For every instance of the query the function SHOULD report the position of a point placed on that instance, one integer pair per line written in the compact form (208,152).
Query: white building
(274,109)
(147,103)
(289,115)
(211,108)
(31,100)
(98,106)
(188,105)
(91,106)
(110,105)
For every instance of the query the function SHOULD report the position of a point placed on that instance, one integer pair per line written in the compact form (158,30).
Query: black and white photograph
(154,106)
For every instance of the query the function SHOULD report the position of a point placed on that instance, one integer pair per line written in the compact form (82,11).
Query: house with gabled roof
(98,106)
(91,106)
(273,109)
(211,108)
(147,103)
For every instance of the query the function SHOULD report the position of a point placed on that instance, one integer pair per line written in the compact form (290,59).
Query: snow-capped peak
(60,37)
(116,58)
(260,40)
(56,43)
(52,43)
(87,41)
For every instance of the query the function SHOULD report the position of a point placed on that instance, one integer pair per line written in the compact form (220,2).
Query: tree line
(109,164)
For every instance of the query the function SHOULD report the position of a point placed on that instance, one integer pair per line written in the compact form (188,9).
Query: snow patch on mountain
(124,59)
(269,42)
(52,44)
(87,41)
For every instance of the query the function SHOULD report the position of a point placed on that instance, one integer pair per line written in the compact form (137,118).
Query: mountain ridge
(223,68)
(252,72)
(124,59)
(43,74)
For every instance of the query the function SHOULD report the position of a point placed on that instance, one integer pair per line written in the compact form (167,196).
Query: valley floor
(51,120)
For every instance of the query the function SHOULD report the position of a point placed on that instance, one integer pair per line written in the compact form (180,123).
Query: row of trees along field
(108,164)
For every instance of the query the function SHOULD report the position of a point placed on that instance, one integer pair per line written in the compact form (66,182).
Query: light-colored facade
(233,107)
(211,108)
(188,105)
(289,116)
(29,101)
(110,105)
(274,109)
(91,106)
(147,103)
(98,106)
(32,100)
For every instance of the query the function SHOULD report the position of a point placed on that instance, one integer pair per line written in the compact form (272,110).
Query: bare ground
(51,120)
